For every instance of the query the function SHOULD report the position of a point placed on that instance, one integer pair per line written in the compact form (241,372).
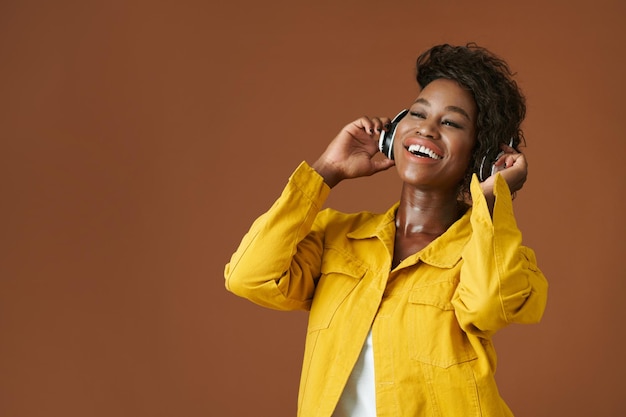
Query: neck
(427,212)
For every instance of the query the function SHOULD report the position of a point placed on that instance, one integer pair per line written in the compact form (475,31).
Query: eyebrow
(455,109)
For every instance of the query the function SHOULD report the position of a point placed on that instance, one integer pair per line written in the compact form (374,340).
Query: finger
(369,125)
(517,159)
(362,124)
(506,148)
(379,123)
(382,164)
(386,121)
(509,160)
(501,160)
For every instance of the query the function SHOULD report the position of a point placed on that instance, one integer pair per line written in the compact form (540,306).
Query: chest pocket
(437,338)
(341,273)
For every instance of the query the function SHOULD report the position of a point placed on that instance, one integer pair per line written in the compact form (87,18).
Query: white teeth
(414,149)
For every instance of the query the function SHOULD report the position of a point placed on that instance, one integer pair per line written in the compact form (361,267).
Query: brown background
(139,140)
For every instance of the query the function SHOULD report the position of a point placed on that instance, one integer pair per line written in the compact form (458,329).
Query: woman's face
(434,141)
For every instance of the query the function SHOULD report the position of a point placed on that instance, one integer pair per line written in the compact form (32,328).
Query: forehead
(444,93)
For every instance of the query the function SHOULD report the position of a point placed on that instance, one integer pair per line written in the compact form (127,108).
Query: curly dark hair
(501,105)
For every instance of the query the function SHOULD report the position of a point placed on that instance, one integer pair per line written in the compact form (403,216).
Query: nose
(427,130)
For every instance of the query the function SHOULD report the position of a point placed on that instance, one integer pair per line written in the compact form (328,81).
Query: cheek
(471,142)
(465,145)
(465,153)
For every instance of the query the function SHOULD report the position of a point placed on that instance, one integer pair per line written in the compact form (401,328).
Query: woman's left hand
(512,166)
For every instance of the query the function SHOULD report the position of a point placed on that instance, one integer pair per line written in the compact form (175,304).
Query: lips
(423,151)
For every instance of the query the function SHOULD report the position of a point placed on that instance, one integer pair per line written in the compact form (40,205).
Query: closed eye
(418,114)
(451,124)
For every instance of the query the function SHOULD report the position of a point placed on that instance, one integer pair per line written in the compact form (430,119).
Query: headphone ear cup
(385,142)
(482,175)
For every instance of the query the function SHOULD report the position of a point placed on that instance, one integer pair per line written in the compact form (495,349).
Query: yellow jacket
(432,317)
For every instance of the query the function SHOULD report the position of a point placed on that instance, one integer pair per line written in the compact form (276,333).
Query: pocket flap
(335,262)
(437,294)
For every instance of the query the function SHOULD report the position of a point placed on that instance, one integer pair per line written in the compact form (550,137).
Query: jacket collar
(444,252)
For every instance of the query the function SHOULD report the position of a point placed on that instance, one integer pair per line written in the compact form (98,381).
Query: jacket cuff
(310,183)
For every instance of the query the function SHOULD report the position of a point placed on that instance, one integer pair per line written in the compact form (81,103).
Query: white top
(359,396)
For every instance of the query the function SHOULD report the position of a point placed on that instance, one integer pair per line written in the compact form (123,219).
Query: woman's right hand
(352,153)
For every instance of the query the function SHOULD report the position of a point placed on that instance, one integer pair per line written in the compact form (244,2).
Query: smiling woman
(404,304)
(442,120)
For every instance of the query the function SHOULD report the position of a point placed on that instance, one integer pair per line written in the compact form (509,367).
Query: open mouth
(423,151)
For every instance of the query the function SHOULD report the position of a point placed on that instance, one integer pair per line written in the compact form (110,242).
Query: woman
(403,305)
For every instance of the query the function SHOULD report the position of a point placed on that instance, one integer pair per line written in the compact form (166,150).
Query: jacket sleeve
(278,261)
(500,282)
